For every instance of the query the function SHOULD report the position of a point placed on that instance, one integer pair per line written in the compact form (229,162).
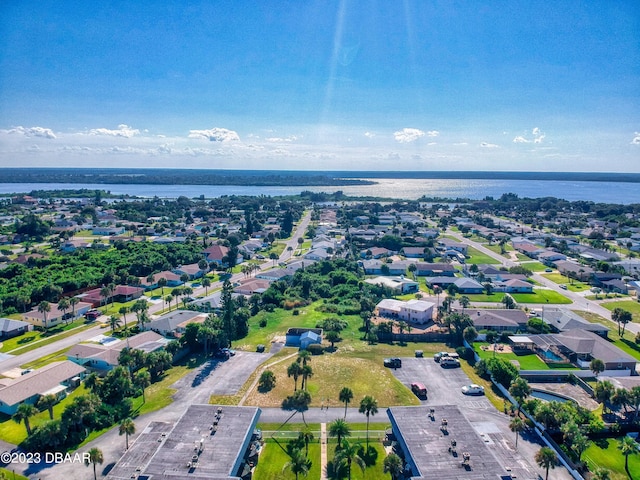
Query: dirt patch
(499,348)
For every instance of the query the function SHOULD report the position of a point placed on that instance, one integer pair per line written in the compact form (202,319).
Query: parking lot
(444,388)
(443,384)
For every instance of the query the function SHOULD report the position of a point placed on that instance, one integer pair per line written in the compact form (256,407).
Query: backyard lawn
(573,285)
(541,295)
(605,454)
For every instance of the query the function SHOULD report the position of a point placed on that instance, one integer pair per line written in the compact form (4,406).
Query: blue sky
(370,85)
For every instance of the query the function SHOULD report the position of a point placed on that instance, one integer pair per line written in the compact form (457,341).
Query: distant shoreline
(156,176)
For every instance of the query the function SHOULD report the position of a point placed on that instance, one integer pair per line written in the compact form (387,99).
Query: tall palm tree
(339,428)
(299,464)
(169,299)
(546,458)
(95,457)
(346,395)
(63,306)
(206,283)
(44,308)
(304,356)
(307,436)
(24,412)
(628,446)
(464,302)
(294,370)
(127,427)
(393,465)
(368,406)
(142,379)
(307,372)
(73,301)
(517,425)
(47,402)
(123,311)
(349,454)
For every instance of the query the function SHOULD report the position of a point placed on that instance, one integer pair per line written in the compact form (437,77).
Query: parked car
(419,389)
(92,314)
(392,362)
(438,356)
(449,362)
(260,348)
(564,287)
(548,270)
(473,389)
(419,353)
(229,351)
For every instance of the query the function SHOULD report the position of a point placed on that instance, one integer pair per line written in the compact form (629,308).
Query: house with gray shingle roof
(10,328)
(562,319)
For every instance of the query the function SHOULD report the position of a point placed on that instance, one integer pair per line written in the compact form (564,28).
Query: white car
(473,389)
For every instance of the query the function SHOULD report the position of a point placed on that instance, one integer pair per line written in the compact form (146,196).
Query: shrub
(263,323)
(269,307)
(296,312)
(315,349)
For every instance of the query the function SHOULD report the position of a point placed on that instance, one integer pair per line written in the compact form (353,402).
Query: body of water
(402,188)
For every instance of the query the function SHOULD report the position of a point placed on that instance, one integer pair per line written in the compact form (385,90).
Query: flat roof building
(209,441)
(445,446)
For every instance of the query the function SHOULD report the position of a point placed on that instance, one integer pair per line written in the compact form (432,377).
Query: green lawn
(605,454)
(526,362)
(534,266)
(574,286)
(477,257)
(625,343)
(271,465)
(495,297)
(10,475)
(629,305)
(541,296)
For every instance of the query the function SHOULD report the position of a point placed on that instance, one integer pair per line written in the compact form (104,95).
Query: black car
(392,362)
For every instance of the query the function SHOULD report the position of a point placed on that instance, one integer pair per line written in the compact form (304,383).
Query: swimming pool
(550,397)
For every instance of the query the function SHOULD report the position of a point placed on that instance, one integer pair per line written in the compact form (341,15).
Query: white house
(418,311)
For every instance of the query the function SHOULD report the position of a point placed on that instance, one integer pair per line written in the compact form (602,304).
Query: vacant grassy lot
(605,454)
(541,295)
(477,257)
(534,266)
(495,297)
(525,362)
(273,459)
(573,285)
(629,305)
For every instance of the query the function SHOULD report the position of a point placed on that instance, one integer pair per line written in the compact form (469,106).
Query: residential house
(449,244)
(435,270)
(55,378)
(108,231)
(12,328)
(104,356)
(173,324)
(303,337)
(513,286)
(574,270)
(563,319)
(192,270)
(318,254)
(173,280)
(249,286)
(548,257)
(413,252)
(122,293)
(418,311)
(55,316)
(499,320)
(399,285)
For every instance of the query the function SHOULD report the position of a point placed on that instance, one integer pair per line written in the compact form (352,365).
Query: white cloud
(520,139)
(489,145)
(32,132)
(124,131)
(433,133)
(535,131)
(369,134)
(539,138)
(289,139)
(215,135)
(432,143)
(407,135)
(636,139)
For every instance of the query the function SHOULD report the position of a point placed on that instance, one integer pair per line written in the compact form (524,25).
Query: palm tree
(142,379)
(464,302)
(73,301)
(24,412)
(339,428)
(162,282)
(299,464)
(63,306)
(393,465)
(517,425)
(546,458)
(114,321)
(368,406)
(123,311)
(294,370)
(346,395)
(127,427)
(628,446)
(307,372)
(206,283)
(349,454)
(597,366)
(95,457)
(47,402)
(437,290)
(169,299)
(307,436)
(44,308)
(304,356)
